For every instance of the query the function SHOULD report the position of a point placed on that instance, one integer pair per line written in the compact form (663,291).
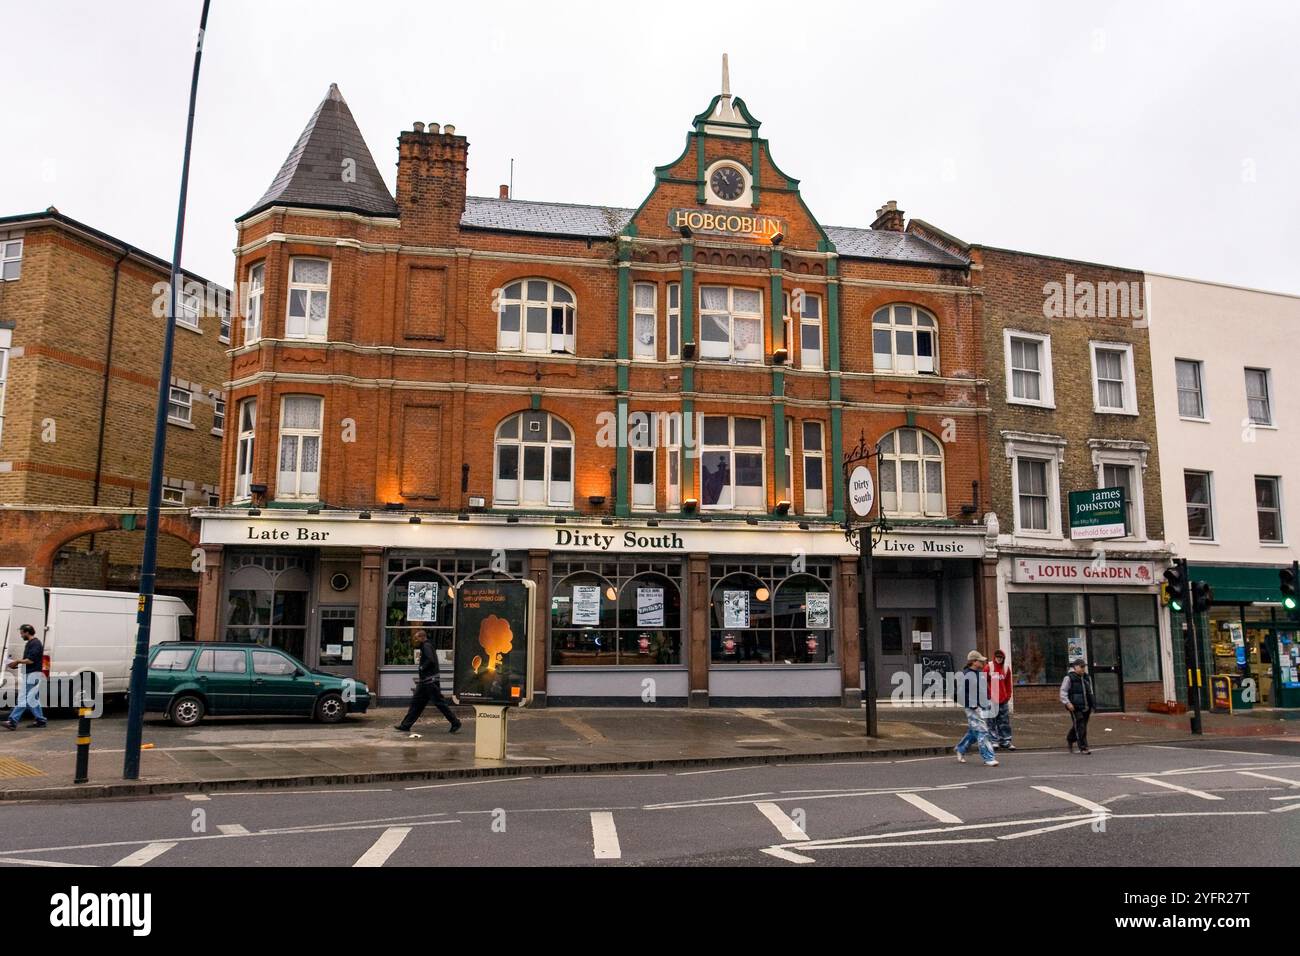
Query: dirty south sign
(862,491)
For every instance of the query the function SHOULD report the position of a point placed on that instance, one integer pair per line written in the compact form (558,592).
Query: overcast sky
(1161,136)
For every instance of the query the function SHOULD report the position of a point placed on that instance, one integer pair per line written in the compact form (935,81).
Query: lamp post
(864,536)
(149,561)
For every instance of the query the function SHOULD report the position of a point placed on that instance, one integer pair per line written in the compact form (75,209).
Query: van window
(223,662)
(264,662)
(177,660)
(185,625)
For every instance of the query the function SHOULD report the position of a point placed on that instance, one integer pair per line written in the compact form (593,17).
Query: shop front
(671,613)
(1248,638)
(1106,611)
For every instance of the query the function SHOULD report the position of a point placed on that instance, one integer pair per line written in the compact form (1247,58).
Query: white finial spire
(726,79)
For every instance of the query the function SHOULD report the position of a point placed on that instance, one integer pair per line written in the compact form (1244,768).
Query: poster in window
(818,609)
(735,609)
(649,607)
(586,605)
(1076,649)
(422,601)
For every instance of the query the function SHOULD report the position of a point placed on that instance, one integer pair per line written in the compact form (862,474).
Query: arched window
(911,474)
(534,462)
(801,618)
(584,620)
(742,621)
(536,315)
(650,621)
(904,338)
(418,600)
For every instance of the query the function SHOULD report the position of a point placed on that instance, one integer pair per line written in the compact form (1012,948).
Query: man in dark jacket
(29,683)
(972,689)
(427,686)
(1078,697)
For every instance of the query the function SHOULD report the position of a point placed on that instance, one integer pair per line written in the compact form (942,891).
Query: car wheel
(330,709)
(186,711)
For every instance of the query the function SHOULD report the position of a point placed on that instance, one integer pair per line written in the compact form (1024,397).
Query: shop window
(253,303)
(1268,509)
(731,324)
(1111,631)
(309,299)
(904,338)
(616,613)
(732,468)
(420,596)
(1113,382)
(814,469)
(266,601)
(300,438)
(911,474)
(11,260)
(244,448)
(1139,637)
(536,316)
(1259,408)
(1191,397)
(644,321)
(1028,358)
(1044,629)
(674,321)
(534,462)
(767,612)
(1200,504)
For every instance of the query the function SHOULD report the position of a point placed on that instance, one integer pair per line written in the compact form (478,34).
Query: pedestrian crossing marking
(924,805)
(785,826)
(145,854)
(1264,776)
(1173,786)
(1072,798)
(384,847)
(604,836)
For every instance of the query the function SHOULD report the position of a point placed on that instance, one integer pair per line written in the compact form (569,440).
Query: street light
(864,536)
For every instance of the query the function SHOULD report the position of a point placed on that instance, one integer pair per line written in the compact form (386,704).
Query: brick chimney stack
(431,178)
(889,217)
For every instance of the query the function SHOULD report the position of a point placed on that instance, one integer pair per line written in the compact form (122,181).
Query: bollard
(82,773)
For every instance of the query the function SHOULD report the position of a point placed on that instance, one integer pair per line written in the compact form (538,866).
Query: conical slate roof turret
(330,167)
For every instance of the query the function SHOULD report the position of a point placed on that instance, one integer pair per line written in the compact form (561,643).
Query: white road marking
(1290,806)
(17,862)
(1173,786)
(924,805)
(757,740)
(146,853)
(384,847)
(197,796)
(1289,796)
(872,845)
(1071,798)
(598,776)
(232,829)
(1264,776)
(693,773)
(604,837)
(469,783)
(785,826)
(330,791)
(786,855)
(1059,826)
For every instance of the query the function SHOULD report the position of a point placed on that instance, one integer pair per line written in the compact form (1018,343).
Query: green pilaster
(621,499)
(836,469)
(688,292)
(779,440)
(777,310)
(621,506)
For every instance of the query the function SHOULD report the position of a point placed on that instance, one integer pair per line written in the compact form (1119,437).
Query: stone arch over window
(911,474)
(537,315)
(904,338)
(533,462)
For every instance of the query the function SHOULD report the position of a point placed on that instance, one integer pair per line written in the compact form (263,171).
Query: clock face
(727,183)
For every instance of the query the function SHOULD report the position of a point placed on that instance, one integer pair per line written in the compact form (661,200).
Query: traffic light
(1176,586)
(1290,580)
(1202,596)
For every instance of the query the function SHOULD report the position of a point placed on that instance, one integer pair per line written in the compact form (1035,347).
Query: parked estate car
(189,679)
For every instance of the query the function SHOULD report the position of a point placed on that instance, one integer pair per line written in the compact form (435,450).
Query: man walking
(1000,693)
(29,683)
(426,686)
(1080,701)
(972,694)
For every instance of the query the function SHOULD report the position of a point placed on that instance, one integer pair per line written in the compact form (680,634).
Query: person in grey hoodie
(1078,697)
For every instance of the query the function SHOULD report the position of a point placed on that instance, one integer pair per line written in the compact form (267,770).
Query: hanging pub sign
(736,225)
(1097,513)
(494,620)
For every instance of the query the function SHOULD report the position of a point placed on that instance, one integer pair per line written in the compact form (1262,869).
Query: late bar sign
(735,224)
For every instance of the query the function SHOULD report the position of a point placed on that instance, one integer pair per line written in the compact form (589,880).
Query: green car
(189,679)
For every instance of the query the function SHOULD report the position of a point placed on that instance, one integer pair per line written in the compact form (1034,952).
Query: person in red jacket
(1000,692)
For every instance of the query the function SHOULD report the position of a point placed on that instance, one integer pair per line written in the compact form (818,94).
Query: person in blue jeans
(29,686)
(973,695)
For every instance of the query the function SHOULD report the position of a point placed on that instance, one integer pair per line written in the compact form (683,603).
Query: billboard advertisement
(493,623)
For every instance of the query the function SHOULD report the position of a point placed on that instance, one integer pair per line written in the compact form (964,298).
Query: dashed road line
(384,847)
(232,829)
(1073,798)
(1173,786)
(925,806)
(604,837)
(785,826)
(1264,776)
(1059,826)
(146,853)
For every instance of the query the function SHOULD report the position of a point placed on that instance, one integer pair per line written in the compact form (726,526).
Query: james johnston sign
(1097,513)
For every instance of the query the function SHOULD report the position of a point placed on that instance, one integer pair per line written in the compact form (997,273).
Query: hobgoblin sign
(735,224)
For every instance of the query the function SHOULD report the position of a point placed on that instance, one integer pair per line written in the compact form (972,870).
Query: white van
(85,630)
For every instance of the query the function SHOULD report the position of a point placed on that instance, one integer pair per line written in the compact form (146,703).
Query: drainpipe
(103,395)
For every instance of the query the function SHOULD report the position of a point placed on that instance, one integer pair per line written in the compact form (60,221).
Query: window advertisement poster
(735,609)
(586,605)
(422,601)
(490,663)
(1076,648)
(649,607)
(818,609)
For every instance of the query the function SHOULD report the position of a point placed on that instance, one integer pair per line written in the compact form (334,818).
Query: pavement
(1208,804)
(243,752)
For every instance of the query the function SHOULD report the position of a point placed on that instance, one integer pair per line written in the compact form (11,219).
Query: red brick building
(630,407)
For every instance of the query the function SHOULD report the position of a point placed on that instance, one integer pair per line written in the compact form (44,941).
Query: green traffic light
(1288,602)
(1176,605)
